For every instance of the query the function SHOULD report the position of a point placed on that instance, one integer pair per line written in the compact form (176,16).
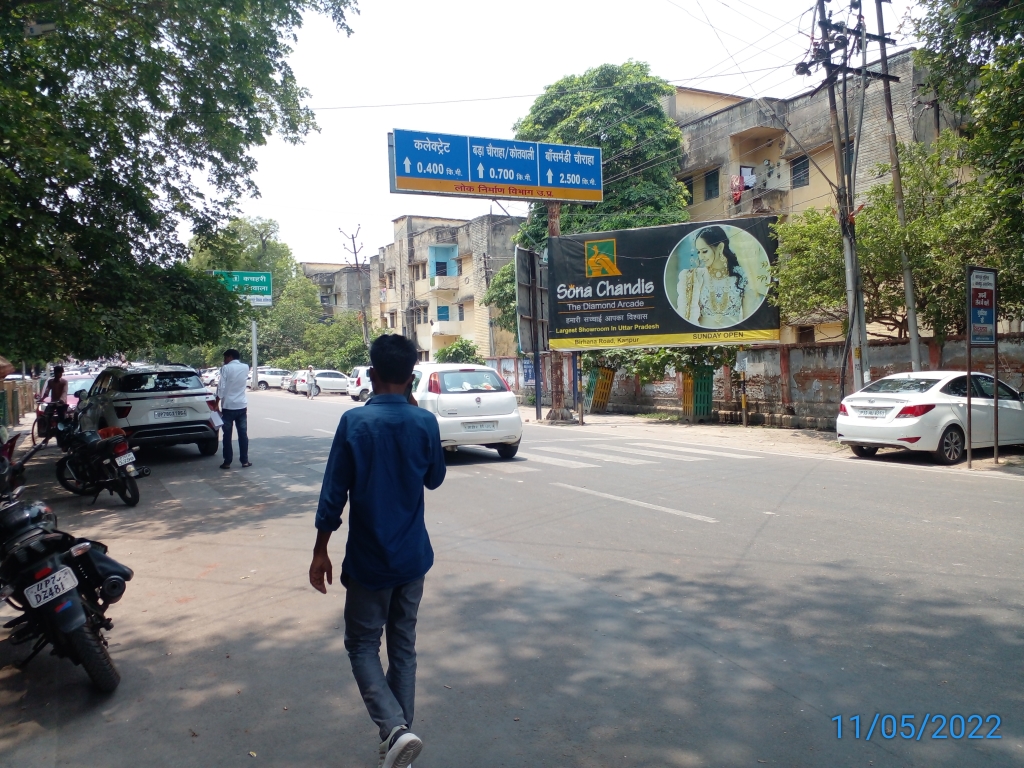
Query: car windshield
(171,381)
(471,381)
(74,385)
(908,384)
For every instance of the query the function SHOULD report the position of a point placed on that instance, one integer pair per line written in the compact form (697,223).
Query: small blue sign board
(469,166)
(981,306)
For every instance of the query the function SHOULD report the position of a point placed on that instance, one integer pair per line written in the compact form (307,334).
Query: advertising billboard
(677,285)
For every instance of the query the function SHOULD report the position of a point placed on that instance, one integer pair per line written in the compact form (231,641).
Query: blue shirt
(382,457)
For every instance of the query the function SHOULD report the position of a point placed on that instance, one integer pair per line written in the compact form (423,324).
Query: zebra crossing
(592,453)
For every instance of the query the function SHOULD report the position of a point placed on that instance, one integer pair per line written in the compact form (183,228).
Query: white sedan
(927,411)
(473,406)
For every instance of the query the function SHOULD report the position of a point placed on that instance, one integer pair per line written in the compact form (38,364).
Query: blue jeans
(237,417)
(368,613)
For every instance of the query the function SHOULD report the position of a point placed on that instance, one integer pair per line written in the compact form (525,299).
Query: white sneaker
(399,749)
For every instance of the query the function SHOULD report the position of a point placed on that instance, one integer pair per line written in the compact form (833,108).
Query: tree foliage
(501,294)
(335,343)
(974,51)
(951,223)
(105,125)
(657,363)
(460,351)
(617,108)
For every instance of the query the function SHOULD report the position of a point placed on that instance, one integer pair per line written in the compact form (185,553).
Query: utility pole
(897,189)
(359,271)
(843,201)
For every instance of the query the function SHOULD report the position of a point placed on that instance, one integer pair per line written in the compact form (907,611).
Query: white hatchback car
(473,406)
(269,377)
(359,387)
(927,411)
(155,405)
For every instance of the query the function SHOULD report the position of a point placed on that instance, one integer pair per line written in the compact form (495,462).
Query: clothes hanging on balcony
(736,188)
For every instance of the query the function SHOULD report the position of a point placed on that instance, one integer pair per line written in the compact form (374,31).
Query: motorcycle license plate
(479,426)
(176,413)
(128,458)
(50,588)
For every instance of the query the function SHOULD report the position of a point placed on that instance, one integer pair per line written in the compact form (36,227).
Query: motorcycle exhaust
(113,588)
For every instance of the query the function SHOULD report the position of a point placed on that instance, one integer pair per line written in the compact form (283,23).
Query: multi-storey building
(753,157)
(430,282)
(343,287)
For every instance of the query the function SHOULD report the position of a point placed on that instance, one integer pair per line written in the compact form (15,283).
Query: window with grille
(800,171)
(462,311)
(711,184)
(391,279)
(805,334)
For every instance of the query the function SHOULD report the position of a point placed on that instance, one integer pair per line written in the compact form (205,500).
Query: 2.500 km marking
(955,727)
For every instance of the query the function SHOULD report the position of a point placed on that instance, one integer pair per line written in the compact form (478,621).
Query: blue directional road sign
(468,166)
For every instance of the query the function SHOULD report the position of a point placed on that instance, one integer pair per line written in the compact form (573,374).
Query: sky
(482,63)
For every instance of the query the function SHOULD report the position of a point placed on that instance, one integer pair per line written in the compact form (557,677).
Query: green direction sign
(258,287)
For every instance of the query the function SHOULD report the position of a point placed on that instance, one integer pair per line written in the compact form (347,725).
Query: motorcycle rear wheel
(67,479)
(128,490)
(95,659)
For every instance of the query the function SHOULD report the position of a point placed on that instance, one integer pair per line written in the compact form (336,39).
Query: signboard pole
(558,411)
(535,325)
(982,331)
(255,363)
(970,386)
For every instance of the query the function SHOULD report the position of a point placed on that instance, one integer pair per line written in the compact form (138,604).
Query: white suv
(154,405)
(473,406)
(359,387)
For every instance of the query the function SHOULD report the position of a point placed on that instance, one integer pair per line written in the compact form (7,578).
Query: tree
(974,51)
(950,224)
(335,343)
(247,244)
(103,125)
(459,351)
(282,329)
(501,294)
(618,108)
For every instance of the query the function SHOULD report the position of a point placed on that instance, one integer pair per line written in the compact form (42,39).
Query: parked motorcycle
(97,460)
(61,585)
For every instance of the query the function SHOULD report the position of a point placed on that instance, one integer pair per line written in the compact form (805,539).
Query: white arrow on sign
(408,165)
(551,176)
(480,170)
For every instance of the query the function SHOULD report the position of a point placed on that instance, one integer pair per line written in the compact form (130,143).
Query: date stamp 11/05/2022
(910,728)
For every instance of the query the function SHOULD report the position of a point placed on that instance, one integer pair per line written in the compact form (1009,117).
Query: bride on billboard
(718,287)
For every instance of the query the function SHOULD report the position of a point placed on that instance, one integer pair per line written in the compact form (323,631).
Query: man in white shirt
(233,404)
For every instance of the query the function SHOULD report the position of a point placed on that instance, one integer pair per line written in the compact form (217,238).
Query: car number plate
(479,426)
(874,413)
(50,588)
(128,458)
(177,413)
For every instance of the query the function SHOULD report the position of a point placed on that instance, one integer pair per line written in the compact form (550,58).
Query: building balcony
(761,202)
(446,328)
(444,283)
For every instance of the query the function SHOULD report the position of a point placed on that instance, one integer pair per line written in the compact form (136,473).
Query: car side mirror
(82,394)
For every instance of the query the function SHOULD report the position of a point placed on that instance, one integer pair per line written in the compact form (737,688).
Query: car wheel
(209,447)
(951,446)
(364,395)
(508,451)
(864,451)
(264,385)
(355,397)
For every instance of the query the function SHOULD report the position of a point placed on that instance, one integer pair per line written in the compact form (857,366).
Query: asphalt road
(623,596)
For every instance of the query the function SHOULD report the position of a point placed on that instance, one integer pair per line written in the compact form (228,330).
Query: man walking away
(310,384)
(383,455)
(233,406)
